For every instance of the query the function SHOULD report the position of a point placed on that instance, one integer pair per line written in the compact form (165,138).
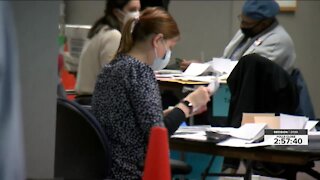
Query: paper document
(192,129)
(222,65)
(310,125)
(249,131)
(168,71)
(197,78)
(200,136)
(292,122)
(196,69)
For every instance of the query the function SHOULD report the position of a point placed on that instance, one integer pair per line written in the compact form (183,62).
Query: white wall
(37,32)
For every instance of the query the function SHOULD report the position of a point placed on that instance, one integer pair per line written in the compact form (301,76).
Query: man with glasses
(261,33)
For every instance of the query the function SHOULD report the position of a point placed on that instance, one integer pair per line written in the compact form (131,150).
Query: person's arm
(199,99)
(145,99)
(109,45)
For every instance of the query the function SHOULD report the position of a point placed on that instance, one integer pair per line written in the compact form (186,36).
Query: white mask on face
(160,63)
(129,15)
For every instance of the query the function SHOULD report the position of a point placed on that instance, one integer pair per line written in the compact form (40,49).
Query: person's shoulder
(277,35)
(108,32)
(133,66)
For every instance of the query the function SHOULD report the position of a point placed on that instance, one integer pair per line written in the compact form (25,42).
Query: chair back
(82,150)
(305,107)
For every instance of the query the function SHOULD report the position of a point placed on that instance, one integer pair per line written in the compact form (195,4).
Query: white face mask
(129,15)
(160,63)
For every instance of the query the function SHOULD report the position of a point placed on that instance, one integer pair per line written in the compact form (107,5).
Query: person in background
(126,100)
(12,156)
(159,3)
(260,33)
(103,42)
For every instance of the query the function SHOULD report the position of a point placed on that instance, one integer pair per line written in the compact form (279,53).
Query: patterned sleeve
(145,99)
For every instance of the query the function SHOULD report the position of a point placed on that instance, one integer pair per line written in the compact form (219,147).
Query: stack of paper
(249,131)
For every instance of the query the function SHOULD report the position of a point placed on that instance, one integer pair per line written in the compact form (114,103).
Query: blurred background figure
(103,42)
(11,144)
(150,3)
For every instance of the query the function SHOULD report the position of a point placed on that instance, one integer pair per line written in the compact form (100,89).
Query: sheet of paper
(192,129)
(292,122)
(310,125)
(200,136)
(273,122)
(222,130)
(197,78)
(249,131)
(168,71)
(249,117)
(196,69)
(222,65)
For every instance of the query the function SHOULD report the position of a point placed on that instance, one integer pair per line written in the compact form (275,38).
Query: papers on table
(217,65)
(249,131)
(196,69)
(197,78)
(245,138)
(235,142)
(168,73)
(192,132)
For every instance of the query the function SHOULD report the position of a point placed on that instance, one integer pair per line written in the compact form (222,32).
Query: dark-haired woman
(103,42)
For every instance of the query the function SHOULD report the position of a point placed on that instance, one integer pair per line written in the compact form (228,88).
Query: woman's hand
(199,99)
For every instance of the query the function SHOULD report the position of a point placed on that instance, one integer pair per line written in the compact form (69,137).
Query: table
(295,155)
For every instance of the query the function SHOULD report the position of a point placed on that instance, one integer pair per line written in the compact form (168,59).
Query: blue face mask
(160,63)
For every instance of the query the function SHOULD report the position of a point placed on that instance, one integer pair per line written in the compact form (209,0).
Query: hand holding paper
(213,86)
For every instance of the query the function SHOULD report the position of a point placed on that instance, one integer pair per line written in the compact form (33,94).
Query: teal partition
(221,101)
(199,163)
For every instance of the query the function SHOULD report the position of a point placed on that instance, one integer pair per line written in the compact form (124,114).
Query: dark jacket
(258,85)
